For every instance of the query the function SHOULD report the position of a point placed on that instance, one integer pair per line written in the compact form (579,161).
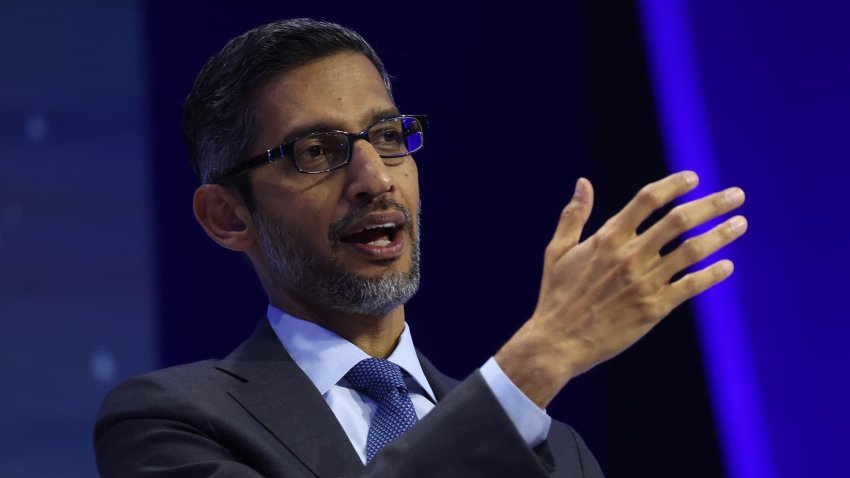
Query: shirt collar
(326,357)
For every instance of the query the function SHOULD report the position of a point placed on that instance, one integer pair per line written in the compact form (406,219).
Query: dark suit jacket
(255,413)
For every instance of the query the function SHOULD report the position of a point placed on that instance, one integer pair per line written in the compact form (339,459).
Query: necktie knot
(376,378)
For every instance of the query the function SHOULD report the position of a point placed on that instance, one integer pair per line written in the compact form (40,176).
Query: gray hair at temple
(218,114)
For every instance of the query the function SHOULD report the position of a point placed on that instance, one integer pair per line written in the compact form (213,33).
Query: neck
(375,335)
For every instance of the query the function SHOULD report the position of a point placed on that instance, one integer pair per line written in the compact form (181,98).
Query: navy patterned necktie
(382,381)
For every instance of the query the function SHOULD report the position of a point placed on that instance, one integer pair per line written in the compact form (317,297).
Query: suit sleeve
(469,434)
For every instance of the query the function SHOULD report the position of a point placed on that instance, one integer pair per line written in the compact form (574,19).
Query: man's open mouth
(376,235)
(376,232)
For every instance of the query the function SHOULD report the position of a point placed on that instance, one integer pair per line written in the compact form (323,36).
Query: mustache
(381,204)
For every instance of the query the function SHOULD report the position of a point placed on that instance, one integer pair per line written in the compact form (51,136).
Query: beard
(299,266)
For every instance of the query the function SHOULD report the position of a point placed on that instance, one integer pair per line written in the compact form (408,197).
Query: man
(306,168)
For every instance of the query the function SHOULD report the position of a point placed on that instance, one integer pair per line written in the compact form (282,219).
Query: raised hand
(601,295)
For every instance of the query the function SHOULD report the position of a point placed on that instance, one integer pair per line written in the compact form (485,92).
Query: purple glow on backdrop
(735,396)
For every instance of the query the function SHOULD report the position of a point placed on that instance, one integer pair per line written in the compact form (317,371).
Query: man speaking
(307,167)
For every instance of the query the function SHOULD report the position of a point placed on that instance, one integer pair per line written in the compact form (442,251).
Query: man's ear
(224,216)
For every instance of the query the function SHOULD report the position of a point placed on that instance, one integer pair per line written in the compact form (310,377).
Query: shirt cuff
(531,421)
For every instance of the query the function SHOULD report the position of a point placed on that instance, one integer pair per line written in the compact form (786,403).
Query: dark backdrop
(554,93)
(98,283)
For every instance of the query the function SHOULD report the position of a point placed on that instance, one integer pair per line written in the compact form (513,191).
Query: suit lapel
(440,384)
(273,382)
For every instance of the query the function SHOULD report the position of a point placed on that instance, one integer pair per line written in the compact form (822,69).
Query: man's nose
(368,175)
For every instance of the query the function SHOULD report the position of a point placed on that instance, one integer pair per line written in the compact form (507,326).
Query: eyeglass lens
(394,137)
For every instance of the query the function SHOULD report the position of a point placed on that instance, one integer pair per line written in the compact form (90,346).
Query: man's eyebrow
(321,126)
(316,127)
(381,113)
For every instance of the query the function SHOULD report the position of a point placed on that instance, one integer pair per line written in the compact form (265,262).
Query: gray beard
(297,265)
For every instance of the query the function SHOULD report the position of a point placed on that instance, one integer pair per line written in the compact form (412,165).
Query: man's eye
(310,151)
(388,136)
(314,151)
(313,156)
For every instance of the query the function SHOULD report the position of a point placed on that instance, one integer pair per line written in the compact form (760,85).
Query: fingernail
(734,195)
(579,191)
(738,224)
(728,266)
(690,177)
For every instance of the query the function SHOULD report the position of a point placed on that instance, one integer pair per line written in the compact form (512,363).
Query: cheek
(310,217)
(412,185)
(410,181)
(314,218)
(304,204)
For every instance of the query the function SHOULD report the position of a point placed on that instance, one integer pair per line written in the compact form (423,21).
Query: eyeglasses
(393,138)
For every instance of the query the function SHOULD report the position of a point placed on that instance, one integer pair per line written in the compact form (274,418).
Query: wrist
(534,364)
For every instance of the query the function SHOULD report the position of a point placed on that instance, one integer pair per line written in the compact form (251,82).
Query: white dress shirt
(325,358)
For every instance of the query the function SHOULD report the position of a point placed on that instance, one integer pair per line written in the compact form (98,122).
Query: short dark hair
(218,114)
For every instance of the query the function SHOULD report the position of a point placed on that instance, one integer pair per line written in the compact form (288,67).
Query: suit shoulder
(165,392)
(177,378)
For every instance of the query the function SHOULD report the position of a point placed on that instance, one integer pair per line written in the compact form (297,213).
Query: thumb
(573,218)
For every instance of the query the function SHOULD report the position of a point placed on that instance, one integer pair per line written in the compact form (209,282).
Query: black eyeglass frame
(287,149)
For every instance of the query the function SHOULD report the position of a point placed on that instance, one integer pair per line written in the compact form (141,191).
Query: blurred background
(104,273)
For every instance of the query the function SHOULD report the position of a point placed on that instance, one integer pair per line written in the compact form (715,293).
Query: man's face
(346,240)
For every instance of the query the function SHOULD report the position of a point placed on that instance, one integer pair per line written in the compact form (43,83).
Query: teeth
(377,226)
(380,243)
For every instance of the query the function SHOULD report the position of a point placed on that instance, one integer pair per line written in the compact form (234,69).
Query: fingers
(687,216)
(651,197)
(696,283)
(698,248)
(573,218)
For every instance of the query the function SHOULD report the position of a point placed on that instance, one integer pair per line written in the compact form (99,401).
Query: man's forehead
(343,91)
